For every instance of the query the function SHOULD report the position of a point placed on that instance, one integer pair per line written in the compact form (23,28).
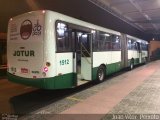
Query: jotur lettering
(27,53)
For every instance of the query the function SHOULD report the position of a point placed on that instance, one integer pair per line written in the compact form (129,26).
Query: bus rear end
(25,49)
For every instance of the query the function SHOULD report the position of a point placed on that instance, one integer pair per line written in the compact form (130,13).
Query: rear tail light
(48,64)
(43,11)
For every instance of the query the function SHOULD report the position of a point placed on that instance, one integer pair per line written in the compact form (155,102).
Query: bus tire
(131,65)
(101,73)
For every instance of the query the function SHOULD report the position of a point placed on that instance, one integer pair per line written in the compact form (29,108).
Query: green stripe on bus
(110,68)
(136,61)
(62,81)
(58,82)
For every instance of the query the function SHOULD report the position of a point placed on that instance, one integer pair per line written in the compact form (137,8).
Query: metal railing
(85,53)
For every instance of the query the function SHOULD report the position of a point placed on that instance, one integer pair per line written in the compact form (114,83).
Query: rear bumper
(57,82)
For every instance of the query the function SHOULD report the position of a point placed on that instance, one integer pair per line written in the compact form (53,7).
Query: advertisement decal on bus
(26,45)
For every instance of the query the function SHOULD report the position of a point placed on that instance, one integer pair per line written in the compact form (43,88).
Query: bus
(137,51)
(49,50)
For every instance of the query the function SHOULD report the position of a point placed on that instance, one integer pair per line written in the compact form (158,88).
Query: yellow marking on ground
(74,99)
(96,90)
(27,87)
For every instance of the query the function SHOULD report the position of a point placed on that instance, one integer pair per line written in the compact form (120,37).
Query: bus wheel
(131,65)
(101,74)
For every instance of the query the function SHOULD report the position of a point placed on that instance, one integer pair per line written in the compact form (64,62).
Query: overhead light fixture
(93,31)
(107,35)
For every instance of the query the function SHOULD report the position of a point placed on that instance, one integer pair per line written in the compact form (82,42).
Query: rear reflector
(45,69)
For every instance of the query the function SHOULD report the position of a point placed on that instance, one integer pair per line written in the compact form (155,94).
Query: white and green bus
(49,50)
(137,51)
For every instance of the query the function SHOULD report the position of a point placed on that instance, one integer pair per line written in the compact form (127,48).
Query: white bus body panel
(144,54)
(25,45)
(106,58)
(133,54)
(67,65)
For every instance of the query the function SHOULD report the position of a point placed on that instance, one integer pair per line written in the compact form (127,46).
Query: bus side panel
(144,56)
(65,76)
(133,54)
(112,60)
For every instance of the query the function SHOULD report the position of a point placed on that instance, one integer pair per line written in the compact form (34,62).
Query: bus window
(144,46)
(139,46)
(115,42)
(64,43)
(95,42)
(104,41)
(129,44)
(84,40)
(132,44)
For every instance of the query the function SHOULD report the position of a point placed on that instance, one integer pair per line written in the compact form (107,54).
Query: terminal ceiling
(143,15)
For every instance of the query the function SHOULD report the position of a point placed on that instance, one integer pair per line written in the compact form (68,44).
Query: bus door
(83,55)
(139,52)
